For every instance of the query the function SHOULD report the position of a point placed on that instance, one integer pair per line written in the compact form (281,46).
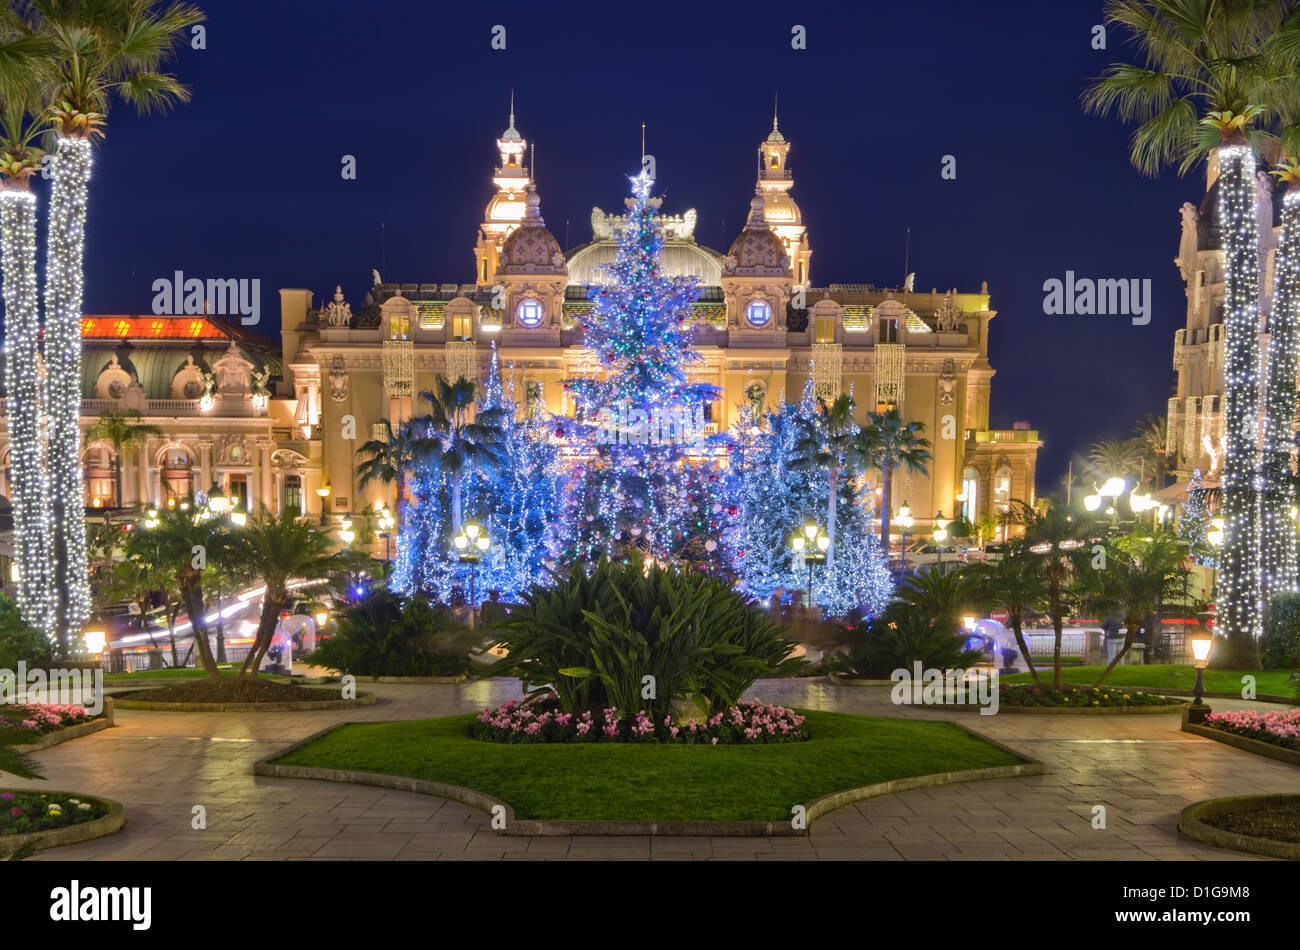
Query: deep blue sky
(244,181)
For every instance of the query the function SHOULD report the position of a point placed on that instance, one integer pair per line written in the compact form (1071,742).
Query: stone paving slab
(161,765)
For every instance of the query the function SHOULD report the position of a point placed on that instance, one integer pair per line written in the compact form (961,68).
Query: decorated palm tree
(280,550)
(21,58)
(827,442)
(123,431)
(99,52)
(889,445)
(459,440)
(1209,69)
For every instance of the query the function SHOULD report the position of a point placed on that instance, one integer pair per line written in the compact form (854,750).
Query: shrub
(594,636)
(21,641)
(1280,646)
(384,634)
(900,637)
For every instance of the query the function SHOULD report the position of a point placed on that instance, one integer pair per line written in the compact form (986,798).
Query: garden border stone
(98,724)
(417,680)
(728,829)
(1259,697)
(1191,826)
(362,699)
(1245,743)
(109,824)
(1063,710)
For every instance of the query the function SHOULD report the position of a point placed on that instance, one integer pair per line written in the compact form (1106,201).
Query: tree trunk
(455,502)
(192,591)
(886,490)
(1129,633)
(265,631)
(171,631)
(37,592)
(1017,627)
(66,247)
(117,477)
(1057,624)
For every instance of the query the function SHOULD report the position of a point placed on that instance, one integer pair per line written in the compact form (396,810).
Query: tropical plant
(1209,69)
(1015,584)
(384,634)
(1113,458)
(901,637)
(827,442)
(122,430)
(939,596)
(19,640)
(594,639)
(458,440)
(1281,646)
(1134,578)
(280,550)
(98,51)
(391,461)
(890,445)
(1152,440)
(1058,541)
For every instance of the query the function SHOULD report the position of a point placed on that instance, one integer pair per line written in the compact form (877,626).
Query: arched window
(177,475)
(758,313)
(99,478)
(970,487)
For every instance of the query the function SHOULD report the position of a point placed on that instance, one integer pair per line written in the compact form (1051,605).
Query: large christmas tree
(646,476)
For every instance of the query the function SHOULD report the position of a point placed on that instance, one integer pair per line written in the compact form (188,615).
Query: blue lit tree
(647,478)
(1194,520)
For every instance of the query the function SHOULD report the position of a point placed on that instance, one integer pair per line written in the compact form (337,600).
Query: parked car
(929,554)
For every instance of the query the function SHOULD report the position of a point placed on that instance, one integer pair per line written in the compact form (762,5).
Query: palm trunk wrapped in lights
(1240,614)
(1278,550)
(63,302)
(29,493)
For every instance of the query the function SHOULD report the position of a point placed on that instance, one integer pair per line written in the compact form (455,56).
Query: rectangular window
(888,331)
(399,328)
(293,494)
(824,330)
(237,491)
(462,327)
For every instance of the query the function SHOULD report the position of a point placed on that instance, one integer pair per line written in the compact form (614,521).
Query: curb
(417,680)
(72,834)
(363,699)
(1190,825)
(1062,710)
(723,829)
(1259,697)
(1245,743)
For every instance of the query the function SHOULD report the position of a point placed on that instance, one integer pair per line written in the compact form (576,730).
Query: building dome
(531,248)
(758,251)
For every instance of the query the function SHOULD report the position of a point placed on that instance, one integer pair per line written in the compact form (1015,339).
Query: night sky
(245,180)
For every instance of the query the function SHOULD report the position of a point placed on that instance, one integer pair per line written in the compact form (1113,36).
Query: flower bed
(1080,697)
(38,719)
(23,812)
(1280,727)
(542,720)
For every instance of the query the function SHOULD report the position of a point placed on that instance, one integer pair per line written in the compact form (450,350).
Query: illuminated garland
(63,304)
(28,479)
(1240,615)
(1278,531)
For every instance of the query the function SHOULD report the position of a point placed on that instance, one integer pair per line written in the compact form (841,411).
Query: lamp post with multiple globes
(471,543)
(811,542)
(904,520)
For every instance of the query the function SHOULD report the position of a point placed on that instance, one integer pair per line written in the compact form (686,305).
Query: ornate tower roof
(758,251)
(782,214)
(531,248)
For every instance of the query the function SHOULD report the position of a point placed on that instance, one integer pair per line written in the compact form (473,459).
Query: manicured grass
(1170,676)
(172,674)
(632,782)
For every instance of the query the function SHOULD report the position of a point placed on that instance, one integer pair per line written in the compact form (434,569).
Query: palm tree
(1014,583)
(890,445)
(1113,458)
(179,547)
(1152,440)
(458,441)
(391,461)
(99,51)
(278,550)
(1058,542)
(22,54)
(1138,576)
(123,432)
(1209,69)
(937,595)
(827,442)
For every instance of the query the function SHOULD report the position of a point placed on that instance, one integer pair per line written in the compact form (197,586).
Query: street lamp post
(904,520)
(472,543)
(816,541)
(1201,646)
(386,524)
(940,535)
(323,492)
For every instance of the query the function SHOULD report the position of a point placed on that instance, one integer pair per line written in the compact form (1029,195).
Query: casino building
(281,428)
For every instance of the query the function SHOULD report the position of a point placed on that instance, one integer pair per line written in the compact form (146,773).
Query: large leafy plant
(901,636)
(385,634)
(594,636)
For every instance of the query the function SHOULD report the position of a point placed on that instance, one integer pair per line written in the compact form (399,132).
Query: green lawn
(184,673)
(1170,676)
(616,781)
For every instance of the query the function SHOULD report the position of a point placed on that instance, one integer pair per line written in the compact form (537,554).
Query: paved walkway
(1141,768)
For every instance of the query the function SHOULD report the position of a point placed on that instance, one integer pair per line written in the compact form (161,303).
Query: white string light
(29,483)
(66,247)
